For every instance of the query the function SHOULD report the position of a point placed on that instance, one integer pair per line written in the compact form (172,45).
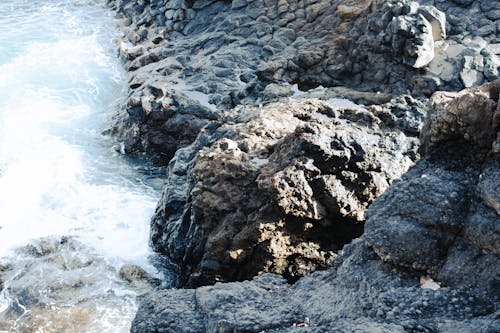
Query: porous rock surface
(189,61)
(457,235)
(360,293)
(440,219)
(264,177)
(280,188)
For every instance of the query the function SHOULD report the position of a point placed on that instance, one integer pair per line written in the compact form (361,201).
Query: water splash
(62,186)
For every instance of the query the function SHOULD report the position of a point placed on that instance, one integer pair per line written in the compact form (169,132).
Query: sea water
(72,210)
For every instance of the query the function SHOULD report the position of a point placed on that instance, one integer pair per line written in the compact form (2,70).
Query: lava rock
(430,220)
(277,190)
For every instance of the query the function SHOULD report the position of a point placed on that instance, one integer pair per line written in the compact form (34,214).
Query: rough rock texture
(261,182)
(457,235)
(189,61)
(55,284)
(428,261)
(280,188)
(360,293)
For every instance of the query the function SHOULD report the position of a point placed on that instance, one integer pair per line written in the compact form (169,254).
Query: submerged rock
(55,284)
(137,276)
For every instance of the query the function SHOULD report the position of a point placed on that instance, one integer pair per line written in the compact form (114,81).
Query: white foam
(59,83)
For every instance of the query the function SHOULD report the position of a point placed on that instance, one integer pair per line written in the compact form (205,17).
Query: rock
(253,188)
(57,282)
(354,8)
(437,19)
(463,2)
(225,54)
(3,269)
(274,91)
(136,275)
(450,116)
(472,71)
(454,182)
(415,35)
(260,193)
(360,293)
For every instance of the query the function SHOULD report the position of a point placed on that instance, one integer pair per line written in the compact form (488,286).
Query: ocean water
(72,209)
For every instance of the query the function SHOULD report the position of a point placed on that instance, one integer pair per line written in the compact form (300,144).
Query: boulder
(278,189)
(442,217)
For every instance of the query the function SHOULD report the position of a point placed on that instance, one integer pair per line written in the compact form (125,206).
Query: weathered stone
(263,193)
(360,294)
(419,221)
(353,8)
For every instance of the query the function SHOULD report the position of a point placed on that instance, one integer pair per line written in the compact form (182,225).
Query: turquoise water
(72,211)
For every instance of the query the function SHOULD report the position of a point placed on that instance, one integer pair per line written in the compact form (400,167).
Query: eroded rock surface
(360,293)
(280,188)
(456,237)
(427,262)
(190,61)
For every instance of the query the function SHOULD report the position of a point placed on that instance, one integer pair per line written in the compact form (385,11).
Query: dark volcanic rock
(440,219)
(360,293)
(279,189)
(190,61)
(457,234)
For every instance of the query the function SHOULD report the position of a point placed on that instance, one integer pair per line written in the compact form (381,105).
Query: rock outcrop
(190,61)
(457,235)
(427,262)
(280,188)
(360,293)
(266,173)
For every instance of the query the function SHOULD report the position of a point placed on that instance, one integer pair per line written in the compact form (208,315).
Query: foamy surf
(72,211)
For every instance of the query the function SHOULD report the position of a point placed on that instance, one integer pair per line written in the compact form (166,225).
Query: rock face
(360,293)
(440,219)
(457,183)
(269,172)
(279,189)
(190,61)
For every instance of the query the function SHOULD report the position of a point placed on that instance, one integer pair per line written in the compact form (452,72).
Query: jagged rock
(437,218)
(463,2)
(440,219)
(136,275)
(414,34)
(278,189)
(220,54)
(282,187)
(359,294)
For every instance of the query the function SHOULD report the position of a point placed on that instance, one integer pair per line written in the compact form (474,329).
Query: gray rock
(455,183)
(463,2)
(261,194)
(254,38)
(136,275)
(360,294)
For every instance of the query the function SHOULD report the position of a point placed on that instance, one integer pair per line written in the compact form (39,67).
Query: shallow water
(72,210)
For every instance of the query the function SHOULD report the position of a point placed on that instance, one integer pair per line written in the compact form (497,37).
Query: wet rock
(136,275)
(55,283)
(3,269)
(277,189)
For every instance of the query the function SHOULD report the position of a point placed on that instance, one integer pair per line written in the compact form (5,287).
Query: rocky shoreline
(271,173)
